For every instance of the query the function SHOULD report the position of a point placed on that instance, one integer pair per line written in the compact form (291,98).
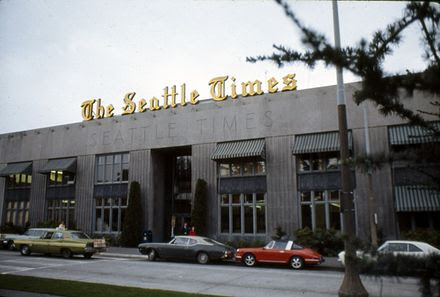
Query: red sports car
(281,252)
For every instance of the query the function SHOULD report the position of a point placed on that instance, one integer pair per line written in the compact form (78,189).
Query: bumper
(94,250)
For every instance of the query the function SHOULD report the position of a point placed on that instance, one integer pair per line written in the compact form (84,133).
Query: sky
(55,54)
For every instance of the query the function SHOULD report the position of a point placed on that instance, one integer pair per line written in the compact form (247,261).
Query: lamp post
(351,285)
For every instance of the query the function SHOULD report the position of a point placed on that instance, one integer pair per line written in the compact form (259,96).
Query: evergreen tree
(200,209)
(366,60)
(132,225)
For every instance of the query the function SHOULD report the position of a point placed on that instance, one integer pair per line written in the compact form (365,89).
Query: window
(18,181)
(17,212)
(62,210)
(58,178)
(320,209)
(109,214)
(242,213)
(318,162)
(413,248)
(183,174)
(112,168)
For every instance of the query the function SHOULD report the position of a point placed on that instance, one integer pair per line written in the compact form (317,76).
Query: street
(216,279)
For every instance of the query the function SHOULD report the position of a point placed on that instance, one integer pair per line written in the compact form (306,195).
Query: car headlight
(238,250)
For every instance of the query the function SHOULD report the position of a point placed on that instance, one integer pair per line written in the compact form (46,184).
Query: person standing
(193,232)
(185,229)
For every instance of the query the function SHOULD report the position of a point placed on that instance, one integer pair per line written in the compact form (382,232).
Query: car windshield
(79,235)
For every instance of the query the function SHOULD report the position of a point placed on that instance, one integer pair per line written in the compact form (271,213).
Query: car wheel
(25,250)
(296,262)
(66,253)
(249,260)
(88,255)
(151,255)
(202,258)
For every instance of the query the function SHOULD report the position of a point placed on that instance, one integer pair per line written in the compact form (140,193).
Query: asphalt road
(216,279)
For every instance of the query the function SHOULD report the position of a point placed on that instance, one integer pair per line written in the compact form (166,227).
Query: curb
(118,255)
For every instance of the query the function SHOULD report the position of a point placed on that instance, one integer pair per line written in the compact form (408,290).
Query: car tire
(25,250)
(66,253)
(151,255)
(88,255)
(249,260)
(296,262)
(202,258)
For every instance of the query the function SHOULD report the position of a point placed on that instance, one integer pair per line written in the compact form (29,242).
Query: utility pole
(351,285)
(370,193)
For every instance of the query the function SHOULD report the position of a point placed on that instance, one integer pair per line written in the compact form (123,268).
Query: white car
(398,247)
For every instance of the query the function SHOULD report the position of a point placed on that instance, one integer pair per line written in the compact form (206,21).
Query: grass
(80,289)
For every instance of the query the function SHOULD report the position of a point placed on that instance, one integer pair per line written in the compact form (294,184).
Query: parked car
(397,247)
(281,252)
(32,233)
(62,242)
(201,249)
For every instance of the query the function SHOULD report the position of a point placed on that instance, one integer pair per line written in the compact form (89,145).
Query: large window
(242,168)
(320,209)
(109,214)
(62,210)
(112,169)
(243,213)
(17,212)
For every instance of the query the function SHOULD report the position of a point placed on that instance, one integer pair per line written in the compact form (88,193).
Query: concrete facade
(275,117)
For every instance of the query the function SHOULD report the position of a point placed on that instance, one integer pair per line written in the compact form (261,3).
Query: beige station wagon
(61,242)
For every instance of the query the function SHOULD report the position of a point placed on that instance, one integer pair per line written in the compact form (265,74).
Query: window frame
(326,202)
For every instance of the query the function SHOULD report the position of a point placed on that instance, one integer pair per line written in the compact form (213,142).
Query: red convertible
(280,252)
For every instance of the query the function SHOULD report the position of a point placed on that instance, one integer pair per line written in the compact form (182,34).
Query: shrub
(257,243)
(200,209)
(132,225)
(327,242)
(278,233)
(47,224)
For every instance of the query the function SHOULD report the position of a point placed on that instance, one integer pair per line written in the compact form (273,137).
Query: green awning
(239,149)
(68,165)
(416,198)
(17,168)
(319,142)
(407,134)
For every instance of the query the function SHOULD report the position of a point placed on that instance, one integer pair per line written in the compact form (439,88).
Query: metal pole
(370,192)
(351,285)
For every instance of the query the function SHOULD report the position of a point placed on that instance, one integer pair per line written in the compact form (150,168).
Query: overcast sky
(56,54)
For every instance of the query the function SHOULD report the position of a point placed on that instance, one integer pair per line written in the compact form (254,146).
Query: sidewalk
(331,263)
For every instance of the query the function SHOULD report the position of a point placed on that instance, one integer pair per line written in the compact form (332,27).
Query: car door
(55,243)
(275,251)
(41,245)
(176,248)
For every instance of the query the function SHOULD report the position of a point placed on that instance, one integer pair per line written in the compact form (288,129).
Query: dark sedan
(201,249)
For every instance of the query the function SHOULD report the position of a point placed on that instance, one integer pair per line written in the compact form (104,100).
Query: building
(269,160)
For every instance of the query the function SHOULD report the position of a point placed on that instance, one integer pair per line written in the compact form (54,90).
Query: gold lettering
(182,95)
(154,104)
(251,85)
(233,89)
(289,82)
(194,95)
(141,105)
(129,106)
(87,110)
(271,83)
(219,84)
(109,112)
(99,110)
(165,97)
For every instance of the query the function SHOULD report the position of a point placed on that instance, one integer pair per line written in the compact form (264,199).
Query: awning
(239,149)
(17,168)
(416,198)
(319,142)
(407,134)
(68,165)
